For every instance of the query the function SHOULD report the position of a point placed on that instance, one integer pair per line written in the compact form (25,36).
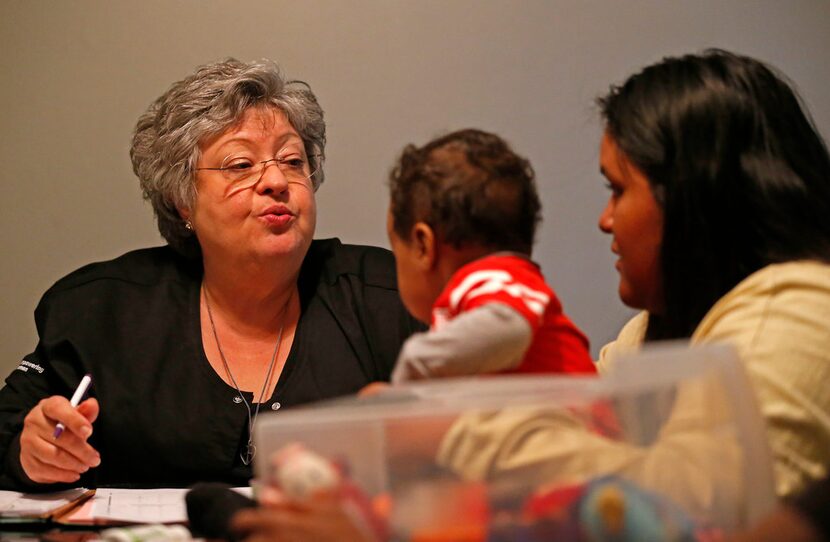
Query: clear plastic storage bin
(670,446)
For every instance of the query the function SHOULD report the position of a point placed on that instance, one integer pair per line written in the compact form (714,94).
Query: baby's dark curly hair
(470,188)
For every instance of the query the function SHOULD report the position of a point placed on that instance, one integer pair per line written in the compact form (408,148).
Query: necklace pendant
(248,456)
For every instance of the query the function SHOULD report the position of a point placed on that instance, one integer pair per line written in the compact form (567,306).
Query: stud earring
(188,225)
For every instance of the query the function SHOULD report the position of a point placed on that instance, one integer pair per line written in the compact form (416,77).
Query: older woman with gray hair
(241,313)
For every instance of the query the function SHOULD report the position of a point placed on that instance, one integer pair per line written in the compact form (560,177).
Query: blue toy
(616,510)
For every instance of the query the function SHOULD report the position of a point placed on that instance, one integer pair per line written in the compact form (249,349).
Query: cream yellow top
(779,321)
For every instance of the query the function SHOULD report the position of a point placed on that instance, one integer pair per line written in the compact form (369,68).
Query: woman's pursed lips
(277,215)
(276,210)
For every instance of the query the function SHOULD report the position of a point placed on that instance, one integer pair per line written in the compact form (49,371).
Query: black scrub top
(167,419)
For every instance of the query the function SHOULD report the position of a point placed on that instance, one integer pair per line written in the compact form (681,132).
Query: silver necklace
(250,449)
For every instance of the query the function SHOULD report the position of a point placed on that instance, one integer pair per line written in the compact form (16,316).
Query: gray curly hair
(165,145)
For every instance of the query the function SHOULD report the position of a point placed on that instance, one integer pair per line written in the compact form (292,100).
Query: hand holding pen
(80,391)
(53,443)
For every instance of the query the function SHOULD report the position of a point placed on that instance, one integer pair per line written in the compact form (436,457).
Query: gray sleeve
(490,338)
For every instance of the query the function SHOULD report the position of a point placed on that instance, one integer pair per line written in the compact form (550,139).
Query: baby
(461,222)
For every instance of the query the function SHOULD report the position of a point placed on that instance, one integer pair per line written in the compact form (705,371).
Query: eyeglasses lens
(295,169)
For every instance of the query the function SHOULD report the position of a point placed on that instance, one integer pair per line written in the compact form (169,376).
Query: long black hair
(741,173)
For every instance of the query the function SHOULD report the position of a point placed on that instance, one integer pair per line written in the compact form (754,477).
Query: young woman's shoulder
(779,320)
(794,293)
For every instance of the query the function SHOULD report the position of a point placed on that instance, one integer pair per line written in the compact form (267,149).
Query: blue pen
(75,401)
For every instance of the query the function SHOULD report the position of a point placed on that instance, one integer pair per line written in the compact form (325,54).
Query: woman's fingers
(68,447)
(45,463)
(58,409)
(49,474)
(47,459)
(89,409)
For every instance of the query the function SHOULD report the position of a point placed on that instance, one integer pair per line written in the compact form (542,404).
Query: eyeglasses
(244,171)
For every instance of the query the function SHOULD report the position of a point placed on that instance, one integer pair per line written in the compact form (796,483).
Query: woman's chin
(629,297)
(647,301)
(284,245)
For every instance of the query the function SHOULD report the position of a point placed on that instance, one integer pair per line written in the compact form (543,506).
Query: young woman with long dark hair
(717,163)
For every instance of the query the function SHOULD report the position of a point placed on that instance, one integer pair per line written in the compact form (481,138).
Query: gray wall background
(75,75)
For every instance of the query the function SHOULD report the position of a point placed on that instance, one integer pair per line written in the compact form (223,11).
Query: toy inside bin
(670,446)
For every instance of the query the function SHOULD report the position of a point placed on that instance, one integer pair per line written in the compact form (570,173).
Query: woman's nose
(272,179)
(606,217)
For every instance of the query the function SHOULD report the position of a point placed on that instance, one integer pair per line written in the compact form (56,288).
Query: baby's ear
(424,242)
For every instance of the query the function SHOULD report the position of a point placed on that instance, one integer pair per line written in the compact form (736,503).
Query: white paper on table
(14,504)
(140,505)
(164,505)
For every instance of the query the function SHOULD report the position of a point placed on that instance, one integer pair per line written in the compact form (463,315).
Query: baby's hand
(373,389)
(319,519)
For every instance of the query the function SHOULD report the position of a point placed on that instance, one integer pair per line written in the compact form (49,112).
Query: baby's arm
(493,337)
